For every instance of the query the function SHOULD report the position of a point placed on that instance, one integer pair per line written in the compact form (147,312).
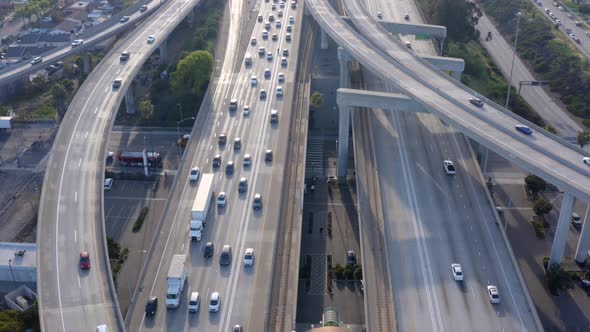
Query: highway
(245,292)
(432,220)
(536,96)
(71,209)
(541,153)
(91,38)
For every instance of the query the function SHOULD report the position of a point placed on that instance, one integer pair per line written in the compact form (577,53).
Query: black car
(217,161)
(152,306)
(209,249)
(225,257)
(238,328)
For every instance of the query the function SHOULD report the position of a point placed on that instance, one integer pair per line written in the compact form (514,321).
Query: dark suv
(217,161)
(209,249)
(225,257)
(152,306)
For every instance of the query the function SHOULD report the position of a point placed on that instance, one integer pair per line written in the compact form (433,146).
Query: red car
(84,260)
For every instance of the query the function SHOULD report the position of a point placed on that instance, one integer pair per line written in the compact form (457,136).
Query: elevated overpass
(71,216)
(92,37)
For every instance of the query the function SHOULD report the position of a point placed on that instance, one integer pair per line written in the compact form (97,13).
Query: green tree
(68,84)
(114,249)
(59,95)
(550,129)
(460,18)
(542,207)
(192,74)
(583,137)
(317,99)
(10,321)
(584,8)
(146,108)
(535,183)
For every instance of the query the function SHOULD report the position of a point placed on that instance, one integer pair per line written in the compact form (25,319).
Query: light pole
(11,272)
(180,109)
(519,14)
(180,138)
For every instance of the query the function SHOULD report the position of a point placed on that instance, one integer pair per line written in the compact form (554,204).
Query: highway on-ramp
(244,291)
(71,210)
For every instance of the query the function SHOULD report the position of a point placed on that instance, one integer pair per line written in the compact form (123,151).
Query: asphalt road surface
(432,220)
(244,291)
(71,210)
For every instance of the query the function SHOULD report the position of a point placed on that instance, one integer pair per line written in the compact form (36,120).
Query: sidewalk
(537,97)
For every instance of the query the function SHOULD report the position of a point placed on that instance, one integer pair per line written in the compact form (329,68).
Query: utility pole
(519,14)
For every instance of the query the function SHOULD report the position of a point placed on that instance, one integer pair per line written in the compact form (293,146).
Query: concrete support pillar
(86,62)
(190,18)
(343,116)
(343,126)
(482,154)
(456,75)
(562,230)
(324,40)
(129,101)
(164,52)
(584,242)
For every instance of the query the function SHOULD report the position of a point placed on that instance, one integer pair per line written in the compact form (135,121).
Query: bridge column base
(324,40)
(584,242)
(562,230)
(129,100)
(164,52)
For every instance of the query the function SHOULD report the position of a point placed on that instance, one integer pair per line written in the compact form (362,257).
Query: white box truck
(203,198)
(176,278)
(5,122)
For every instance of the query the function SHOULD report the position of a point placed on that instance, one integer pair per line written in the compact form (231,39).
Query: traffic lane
(580,32)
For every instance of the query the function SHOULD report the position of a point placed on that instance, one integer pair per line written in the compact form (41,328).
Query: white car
(249,257)
(281,77)
(586,160)
(151,39)
(221,199)
(457,272)
(493,294)
(279,91)
(247,160)
(269,56)
(214,302)
(108,184)
(291,20)
(77,42)
(36,60)
(254,81)
(449,167)
(246,110)
(408,44)
(379,15)
(194,174)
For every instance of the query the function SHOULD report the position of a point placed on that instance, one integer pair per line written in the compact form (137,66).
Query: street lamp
(178,133)
(11,272)
(519,14)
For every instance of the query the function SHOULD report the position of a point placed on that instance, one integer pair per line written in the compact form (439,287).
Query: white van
(194,302)
(102,328)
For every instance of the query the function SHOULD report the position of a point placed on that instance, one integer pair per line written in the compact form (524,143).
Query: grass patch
(44,112)
(482,75)
(140,219)
(539,229)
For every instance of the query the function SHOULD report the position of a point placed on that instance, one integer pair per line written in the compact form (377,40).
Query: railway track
(379,313)
(283,301)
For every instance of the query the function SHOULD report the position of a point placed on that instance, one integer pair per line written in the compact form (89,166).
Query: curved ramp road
(71,210)
(541,153)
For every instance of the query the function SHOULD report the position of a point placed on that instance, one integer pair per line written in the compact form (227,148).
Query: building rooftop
(21,254)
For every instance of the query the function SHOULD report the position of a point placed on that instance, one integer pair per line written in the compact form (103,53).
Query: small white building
(18,262)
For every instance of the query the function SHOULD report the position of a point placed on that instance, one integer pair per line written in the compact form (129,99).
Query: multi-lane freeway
(71,210)
(244,291)
(105,30)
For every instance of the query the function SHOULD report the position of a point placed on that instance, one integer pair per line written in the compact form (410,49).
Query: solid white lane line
(79,285)
(75,236)
(76,196)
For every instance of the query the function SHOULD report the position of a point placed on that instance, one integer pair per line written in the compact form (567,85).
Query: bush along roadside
(547,51)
